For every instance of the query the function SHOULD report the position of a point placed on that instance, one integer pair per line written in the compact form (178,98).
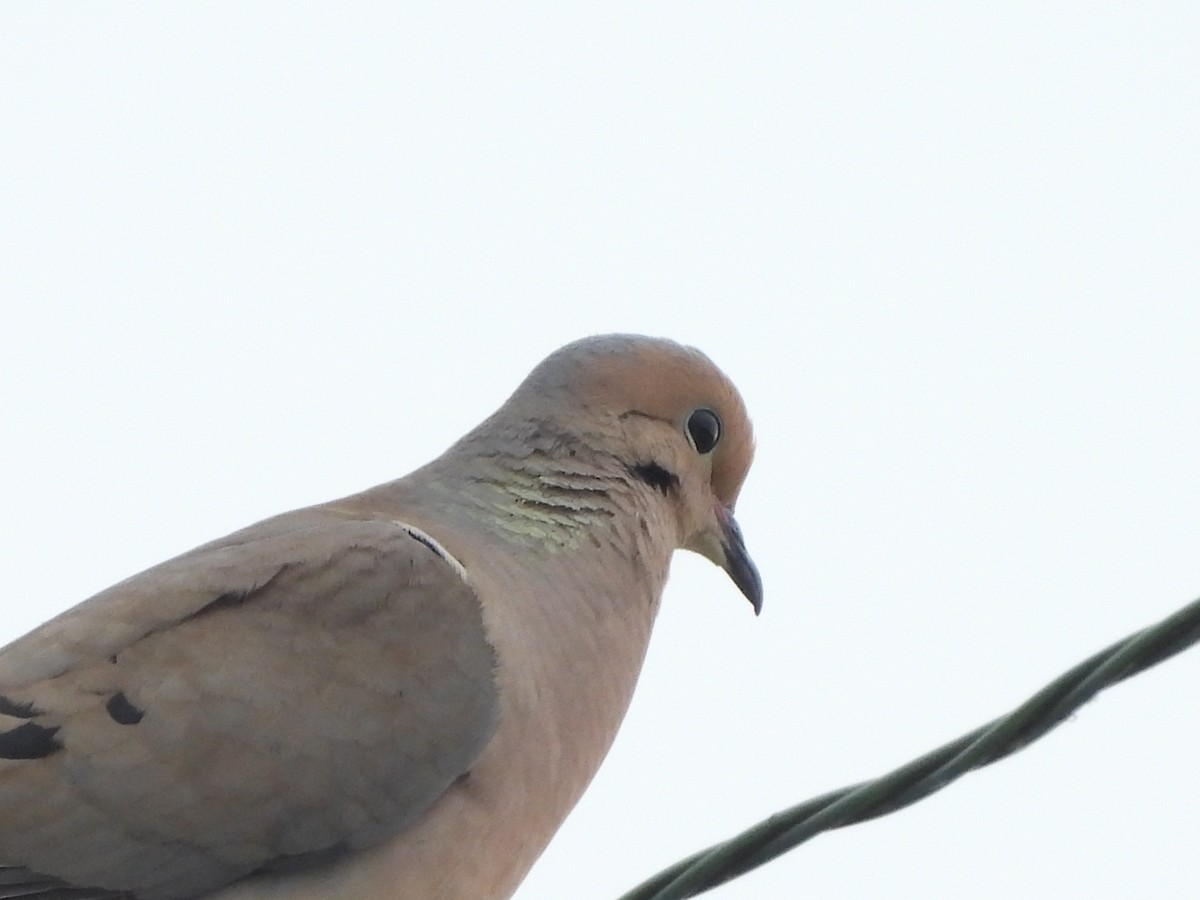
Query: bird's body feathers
(396,695)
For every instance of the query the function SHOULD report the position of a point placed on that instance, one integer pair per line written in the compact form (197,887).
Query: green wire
(930,773)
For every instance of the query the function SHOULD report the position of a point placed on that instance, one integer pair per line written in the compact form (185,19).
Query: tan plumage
(400,694)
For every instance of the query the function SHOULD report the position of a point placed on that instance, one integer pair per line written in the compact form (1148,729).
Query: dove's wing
(300,689)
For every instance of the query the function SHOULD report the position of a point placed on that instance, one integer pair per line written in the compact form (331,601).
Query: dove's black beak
(737,560)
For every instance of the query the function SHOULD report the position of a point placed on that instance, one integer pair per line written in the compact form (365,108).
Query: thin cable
(930,773)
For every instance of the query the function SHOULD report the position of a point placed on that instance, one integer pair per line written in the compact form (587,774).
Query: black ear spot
(655,476)
(703,430)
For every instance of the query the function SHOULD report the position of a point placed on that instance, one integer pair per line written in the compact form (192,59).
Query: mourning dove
(399,694)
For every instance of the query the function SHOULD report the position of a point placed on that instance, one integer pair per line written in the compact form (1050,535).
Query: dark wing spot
(122,711)
(655,476)
(17,710)
(28,741)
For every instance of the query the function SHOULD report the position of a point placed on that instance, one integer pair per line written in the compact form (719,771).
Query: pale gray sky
(254,256)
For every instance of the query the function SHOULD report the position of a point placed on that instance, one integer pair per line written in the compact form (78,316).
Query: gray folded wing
(297,690)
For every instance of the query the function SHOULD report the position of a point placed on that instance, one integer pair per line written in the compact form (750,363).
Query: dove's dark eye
(704,430)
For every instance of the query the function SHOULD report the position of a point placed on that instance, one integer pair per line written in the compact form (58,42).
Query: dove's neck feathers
(533,515)
(535,502)
(541,488)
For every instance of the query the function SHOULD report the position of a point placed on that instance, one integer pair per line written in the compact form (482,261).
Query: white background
(254,256)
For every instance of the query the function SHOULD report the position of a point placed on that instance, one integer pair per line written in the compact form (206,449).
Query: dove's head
(676,423)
